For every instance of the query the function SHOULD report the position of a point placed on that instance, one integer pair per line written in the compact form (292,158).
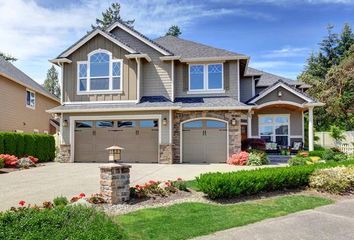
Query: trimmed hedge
(41,146)
(251,182)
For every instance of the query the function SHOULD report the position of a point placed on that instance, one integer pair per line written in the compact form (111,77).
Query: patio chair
(297,146)
(272,148)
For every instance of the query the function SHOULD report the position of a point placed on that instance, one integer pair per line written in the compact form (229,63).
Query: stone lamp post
(115,178)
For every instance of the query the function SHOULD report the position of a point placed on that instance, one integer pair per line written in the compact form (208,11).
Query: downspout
(138,79)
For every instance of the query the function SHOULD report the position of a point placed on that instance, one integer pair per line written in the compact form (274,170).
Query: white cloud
(286,52)
(286,2)
(289,69)
(32,32)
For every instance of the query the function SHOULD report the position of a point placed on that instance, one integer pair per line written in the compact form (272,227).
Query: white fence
(326,140)
(346,148)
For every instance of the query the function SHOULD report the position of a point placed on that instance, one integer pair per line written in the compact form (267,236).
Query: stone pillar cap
(115,148)
(114,165)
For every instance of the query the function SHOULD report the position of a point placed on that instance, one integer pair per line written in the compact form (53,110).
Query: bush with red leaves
(10,161)
(238,158)
(253,143)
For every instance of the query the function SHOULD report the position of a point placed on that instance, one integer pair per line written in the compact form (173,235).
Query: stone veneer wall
(234,130)
(63,154)
(166,155)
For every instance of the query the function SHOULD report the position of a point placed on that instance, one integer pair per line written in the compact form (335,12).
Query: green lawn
(187,220)
(192,184)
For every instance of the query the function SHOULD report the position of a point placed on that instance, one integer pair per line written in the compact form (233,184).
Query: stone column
(311,128)
(114,182)
(64,154)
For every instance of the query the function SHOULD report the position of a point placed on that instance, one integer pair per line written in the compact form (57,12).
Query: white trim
(72,120)
(202,118)
(60,60)
(110,76)
(118,109)
(138,55)
(99,102)
(34,96)
(238,81)
(296,136)
(311,135)
(253,86)
(279,102)
(138,36)
(172,80)
(280,84)
(138,62)
(214,108)
(303,127)
(169,58)
(205,80)
(89,37)
(61,65)
(273,124)
(61,128)
(170,126)
(209,59)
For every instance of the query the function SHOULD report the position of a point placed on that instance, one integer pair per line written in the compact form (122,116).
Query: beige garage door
(139,138)
(204,141)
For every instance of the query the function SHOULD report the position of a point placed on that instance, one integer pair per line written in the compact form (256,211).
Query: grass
(192,184)
(187,220)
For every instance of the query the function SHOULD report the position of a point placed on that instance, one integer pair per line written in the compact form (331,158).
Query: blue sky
(278,35)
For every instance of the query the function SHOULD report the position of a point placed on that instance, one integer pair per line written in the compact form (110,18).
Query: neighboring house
(24,102)
(170,100)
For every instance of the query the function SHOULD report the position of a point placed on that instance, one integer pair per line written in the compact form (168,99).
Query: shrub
(41,146)
(253,143)
(180,184)
(339,157)
(262,154)
(298,161)
(240,158)
(328,154)
(60,201)
(2,163)
(254,159)
(71,222)
(250,182)
(316,153)
(318,147)
(9,160)
(338,180)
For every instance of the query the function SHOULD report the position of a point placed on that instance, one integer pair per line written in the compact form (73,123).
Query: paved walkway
(68,179)
(326,223)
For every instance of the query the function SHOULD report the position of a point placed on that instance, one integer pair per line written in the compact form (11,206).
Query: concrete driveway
(68,179)
(332,222)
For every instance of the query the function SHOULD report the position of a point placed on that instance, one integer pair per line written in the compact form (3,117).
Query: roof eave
(206,59)
(138,55)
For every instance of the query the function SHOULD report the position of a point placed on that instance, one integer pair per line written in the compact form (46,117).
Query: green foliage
(2,163)
(336,133)
(60,201)
(41,146)
(7,57)
(331,72)
(174,30)
(328,154)
(316,153)
(336,180)
(180,185)
(58,223)
(254,159)
(262,154)
(51,83)
(318,147)
(338,157)
(111,15)
(251,182)
(298,161)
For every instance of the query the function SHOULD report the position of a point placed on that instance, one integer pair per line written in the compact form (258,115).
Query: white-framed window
(275,128)
(206,77)
(30,99)
(100,73)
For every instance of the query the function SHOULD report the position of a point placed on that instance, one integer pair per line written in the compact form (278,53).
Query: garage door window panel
(215,124)
(126,124)
(104,124)
(84,124)
(193,124)
(148,123)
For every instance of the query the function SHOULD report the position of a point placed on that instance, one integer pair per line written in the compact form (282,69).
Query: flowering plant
(238,158)
(21,203)
(9,160)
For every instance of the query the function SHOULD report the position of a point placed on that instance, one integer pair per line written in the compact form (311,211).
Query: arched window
(100,73)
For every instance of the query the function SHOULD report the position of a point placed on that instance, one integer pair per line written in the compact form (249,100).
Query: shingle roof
(189,49)
(266,79)
(147,102)
(10,71)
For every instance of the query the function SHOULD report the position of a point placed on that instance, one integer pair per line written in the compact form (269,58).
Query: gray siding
(259,89)
(181,70)
(129,80)
(286,96)
(156,75)
(246,88)
(165,134)
(295,119)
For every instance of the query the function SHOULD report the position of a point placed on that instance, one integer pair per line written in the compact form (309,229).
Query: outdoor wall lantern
(65,123)
(233,121)
(114,153)
(164,121)
(280,93)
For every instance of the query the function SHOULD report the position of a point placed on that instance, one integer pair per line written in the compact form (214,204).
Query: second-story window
(100,73)
(206,77)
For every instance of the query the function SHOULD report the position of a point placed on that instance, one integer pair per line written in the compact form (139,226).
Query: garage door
(139,138)
(204,141)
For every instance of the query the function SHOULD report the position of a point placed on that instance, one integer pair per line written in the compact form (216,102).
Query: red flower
(82,195)
(152,182)
(168,184)
(21,203)
(137,186)
(179,179)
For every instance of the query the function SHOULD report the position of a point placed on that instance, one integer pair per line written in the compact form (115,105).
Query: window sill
(30,107)
(205,91)
(100,92)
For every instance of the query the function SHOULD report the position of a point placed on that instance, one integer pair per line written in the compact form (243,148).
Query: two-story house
(170,100)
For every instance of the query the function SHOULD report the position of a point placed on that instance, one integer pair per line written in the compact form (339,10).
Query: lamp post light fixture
(233,121)
(114,153)
(65,123)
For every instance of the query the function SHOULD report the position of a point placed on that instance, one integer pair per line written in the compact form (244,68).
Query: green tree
(174,30)
(51,84)
(7,57)
(346,40)
(337,134)
(111,15)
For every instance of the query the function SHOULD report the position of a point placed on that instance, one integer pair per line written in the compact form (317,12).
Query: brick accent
(114,182)
(64,154)
(166,153)
(234,130)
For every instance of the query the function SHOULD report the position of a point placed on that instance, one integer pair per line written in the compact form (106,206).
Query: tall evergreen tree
(111,15)
(346,40)
(51,84)
(174,30)
(7,57)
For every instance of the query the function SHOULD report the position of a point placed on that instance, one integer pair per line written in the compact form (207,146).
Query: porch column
(249,124)
(311,128)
